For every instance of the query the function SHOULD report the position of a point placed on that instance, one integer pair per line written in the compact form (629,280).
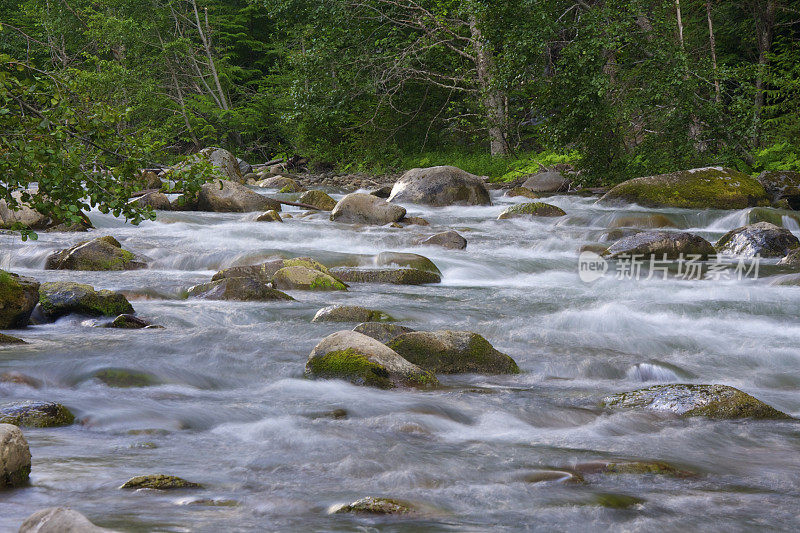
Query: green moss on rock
(18,297)
(35,414)
(63,297)
(303,278)
(538,209)
(123,378)
(159,482)
(376,506)
(351,365)
(318,199)
(102,253)
(453,352)
(394,276)
(350,313)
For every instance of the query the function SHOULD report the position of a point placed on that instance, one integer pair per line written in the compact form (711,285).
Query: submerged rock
(404,259)
(712,401)
(123,378)
(60,298)
(20,379)
(775,216)
(60,520)
(399,276)
(375,506)
(349,313)
(559,476)
(616,501)
(661,243)
(537,209)
(15,457)
(35,414)
(228,197)
(304,278)
(360,208)
(440,186)
(548,182)
(102,253)
(9,339)
(761,238)
(631,467)
(362,360)
(449,239)
(159,482)
(241,289)
(654,221)
(382,331)
(699,188)
(453,352)
(18,297)
(318,199)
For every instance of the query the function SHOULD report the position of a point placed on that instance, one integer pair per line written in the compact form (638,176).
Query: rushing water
(234,413)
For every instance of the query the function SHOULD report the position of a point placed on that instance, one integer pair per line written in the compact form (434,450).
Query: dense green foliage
(619,88)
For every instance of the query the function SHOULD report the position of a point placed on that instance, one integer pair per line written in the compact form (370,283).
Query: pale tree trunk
(765,24)
(680,21)
(493,99)
(713,44)
(207,47)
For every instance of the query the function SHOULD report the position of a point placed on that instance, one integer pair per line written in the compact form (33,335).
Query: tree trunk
(713,44)
(765,24)
(493,99)
(680,21)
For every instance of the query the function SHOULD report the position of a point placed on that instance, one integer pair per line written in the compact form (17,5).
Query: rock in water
(360,208)
(269,216)
(761,238)
(712,401)
(35,414)
(229,197)
(791,260)
(10,339)
(537,209)
(102,253)
(661,243)
(642,222)
(453,352)
(224,164)
(394,276)
(239,289)
(448,239)
(548,182)
(60,520)
(318,199)
(440,186)
(404,259)
(699,188)
(304,278)
(362,360)
(156,200)
(18,297)
(15,457)
(375,506)
(60,298)
(159,482)
(522,191)
(381,331)
(349,313)
(781,184)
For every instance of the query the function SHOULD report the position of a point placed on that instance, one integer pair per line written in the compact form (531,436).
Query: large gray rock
(282,183)
(761,238)
(25,217)
(245,168)
(533,209)
(382,331)
(156,200)
(102,253)
(405,259)
(306,279)
(547,182)
(35,414)
(18,297)
(60,520)
(782,184)
(224,164)
(58,298)
(713,401)
(241,289)
(15,457)
(453,352)
(318,199)
(440,186)
(229,197)
(673,244)
(451,240)
(349,313)
(360,208)
(393,276)
(362,360)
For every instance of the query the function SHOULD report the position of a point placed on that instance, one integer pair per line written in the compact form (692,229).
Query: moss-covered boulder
(228,197)
(128,321)
(155,200)
(18,297)
(35,414)
(282,183)
(613,500)
(185,202)
(631,467)
(375,506)
(349,313)
(405,259)
(522,191)
(382,331)
(762,238)
(712,401)
(269,216)
(265,272)
(671,244)
(318,199)
(304,278)
(653,221)
(362,360)
(60,298)
(239,289)
(60,520)
(394,276)
(361,208)
(779,217)
(453,352)
(102,253)
(10,339)
(451,240)
(699,188)
(123,378)
(15,457)
(782,184)
(535,209)
(159,482)
(440,186)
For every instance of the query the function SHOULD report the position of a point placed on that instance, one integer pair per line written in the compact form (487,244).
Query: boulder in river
(24,216)
(658,244)
(15,457)
(361,208)
(159,482)
(129,321)
(349,313)
(440,186)
(240,289)
(224,164)
(362,360)
(537,209)
(10,339)
(18,297)
(228,197)
(780,217)
(184,202)
(699,188)
(282,183)
(631,467)
(156,200)
(123,378)
(382,331)
(654,221)
(375,506)
(453,352)
(782,184)
(304,278)
(451,240)
(792,260)
(269,216)
(761,238)
(547,182)
(712,401)
(58,298)
(382,192)
(394,276)
(318,199)
(60,520)
(102,253)
(405,259)
(522,191)
(35,414)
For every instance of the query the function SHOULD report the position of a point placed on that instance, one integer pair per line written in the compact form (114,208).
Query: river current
(233,412)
